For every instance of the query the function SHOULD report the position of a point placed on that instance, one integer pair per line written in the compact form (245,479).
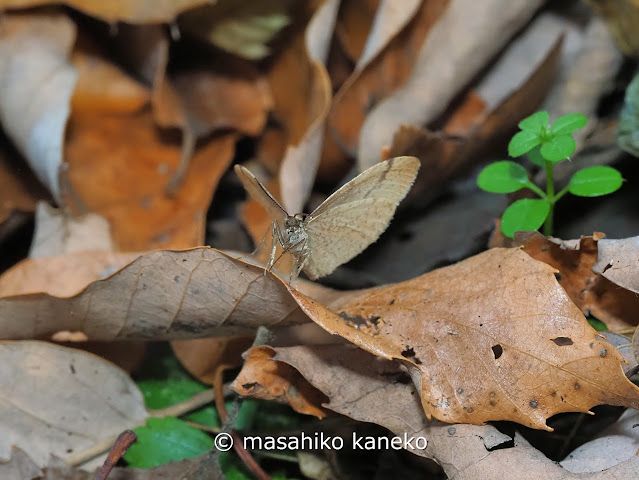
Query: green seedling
(546,145)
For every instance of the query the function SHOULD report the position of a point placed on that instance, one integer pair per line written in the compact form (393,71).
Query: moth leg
(262,241)
(275,234)
(300,263)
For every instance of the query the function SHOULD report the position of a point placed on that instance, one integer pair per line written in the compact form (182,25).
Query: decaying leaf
(87,400)
(268,379)
(137,11)
(511,89)
(354,23)
(494,337)
(57,233)
(202,356)
(443,68)
(37,83)
(161,295)
(592,293)
(105,176)
(358,383)
(617,261)
(388,66)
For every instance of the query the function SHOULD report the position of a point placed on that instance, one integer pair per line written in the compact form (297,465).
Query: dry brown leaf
(494,337)
(443,67)
(592,293)
(357,383)
(102,86)
(267,379)
(125,181)
(384,73)
(61,276)
(202,356)
(87,400)
(617,261)
(354,24)
(57,233)
(621,17)
(138,11)
(57,469)
(166,295)
(38,81)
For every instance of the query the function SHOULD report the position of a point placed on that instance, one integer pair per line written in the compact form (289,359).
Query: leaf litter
(180,107)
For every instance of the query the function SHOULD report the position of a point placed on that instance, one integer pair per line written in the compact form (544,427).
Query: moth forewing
(345,223)
(356,215)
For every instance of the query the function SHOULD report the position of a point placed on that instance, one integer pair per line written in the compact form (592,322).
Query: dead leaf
(620,15)
(138,11)
(161,295)
(202,356)
(125,181)
(19,466)
(265,378)
(389,65)
(57,233)
(103,86)
(79,409)
(531,350)
(357,383)
(616,444)
(61,276)
(617,261)
(592,293)
(35,102)
(354,23)
(510,89)
(480,32)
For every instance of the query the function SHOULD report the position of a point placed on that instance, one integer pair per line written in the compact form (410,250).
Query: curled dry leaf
(510,90)
(125,181)
(382,74)
(268,379)
(87,400)
(57,233)
(354,23)
(37,83)
(61,276)
(443,67)
(103,86)
(494,337)
(202,356)
(137,11)
(592,293)
(617,261)
(163,295)
(19,191)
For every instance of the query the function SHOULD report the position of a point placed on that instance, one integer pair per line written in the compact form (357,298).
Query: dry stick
(196,401)
(122,444)
(238,446)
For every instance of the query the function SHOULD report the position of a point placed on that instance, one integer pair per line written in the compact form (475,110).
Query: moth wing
(260,194)
(357,214)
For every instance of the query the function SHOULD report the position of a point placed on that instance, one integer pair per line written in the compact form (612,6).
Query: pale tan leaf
(617,261)
(37,83)
(161,295)
(494,337)
(87,399)
(479,31)
(138,11)
(57,233)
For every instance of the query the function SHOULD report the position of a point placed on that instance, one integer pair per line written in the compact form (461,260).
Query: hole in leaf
(497,351)
(563,341)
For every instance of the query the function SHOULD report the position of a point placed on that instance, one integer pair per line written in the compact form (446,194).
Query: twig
(122,444)
(238,445)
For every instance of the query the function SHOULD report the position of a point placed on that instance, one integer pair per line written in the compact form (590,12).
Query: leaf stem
(550,192)
(537,190)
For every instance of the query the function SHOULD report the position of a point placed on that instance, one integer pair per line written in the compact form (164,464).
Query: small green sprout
(546,145)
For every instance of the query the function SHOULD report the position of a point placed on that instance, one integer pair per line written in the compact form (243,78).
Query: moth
(344,224)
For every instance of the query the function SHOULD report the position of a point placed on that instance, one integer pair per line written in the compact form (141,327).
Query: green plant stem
(563,192)
(550,192)
(537,190)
